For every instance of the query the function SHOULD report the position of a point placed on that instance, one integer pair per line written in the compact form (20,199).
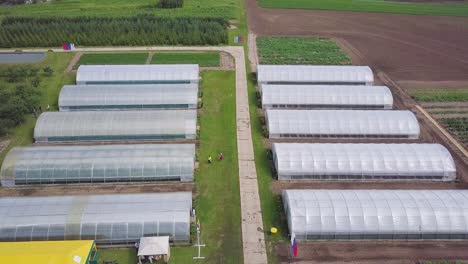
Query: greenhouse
(326,97)
(127,97)
(96,164)
(116,125)
(137,74)
(342,123)
(377,214)
(314,74)
(107,219)
(299,161)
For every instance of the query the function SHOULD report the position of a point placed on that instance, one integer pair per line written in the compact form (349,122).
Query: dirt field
(408,48)
(374,252)
(102,188)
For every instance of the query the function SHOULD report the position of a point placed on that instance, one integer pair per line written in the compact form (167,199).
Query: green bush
(140,30)
(170,3)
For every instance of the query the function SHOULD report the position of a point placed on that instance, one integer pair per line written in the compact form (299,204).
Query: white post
(198,244)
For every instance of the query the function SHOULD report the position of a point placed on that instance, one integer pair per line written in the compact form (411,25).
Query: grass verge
(440,95)
(300,50)
(112,58)
(203,59)
(50,87)
(380,6)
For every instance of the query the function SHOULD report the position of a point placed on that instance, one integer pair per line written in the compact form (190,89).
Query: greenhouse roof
(115,123)
(114,95)
(364,159)
(162,72)
(105,218)
(105,163)
(326,95)
(314,73)
(342,123)
(405,214)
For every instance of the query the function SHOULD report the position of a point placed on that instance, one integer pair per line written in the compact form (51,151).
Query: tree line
(140,30)
(19,93)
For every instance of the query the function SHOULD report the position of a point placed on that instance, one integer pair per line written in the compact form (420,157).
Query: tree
(48,71)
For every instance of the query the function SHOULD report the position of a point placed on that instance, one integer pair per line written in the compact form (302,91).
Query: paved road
(252,223)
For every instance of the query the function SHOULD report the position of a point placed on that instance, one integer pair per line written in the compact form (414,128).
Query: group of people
(220,158)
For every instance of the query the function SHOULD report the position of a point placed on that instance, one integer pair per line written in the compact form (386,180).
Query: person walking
(221,156)
(48,107)
(34,112)
(40,109)
(210,159)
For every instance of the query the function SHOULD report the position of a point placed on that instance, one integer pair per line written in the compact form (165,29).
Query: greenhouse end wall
(107,219)
(377,214)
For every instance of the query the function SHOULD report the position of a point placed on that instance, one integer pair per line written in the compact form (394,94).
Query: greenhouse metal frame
(138,74)
(342,123)
(314,74)
(326,97)
(128,97)
(107,219)
(318,161)
(116,125)
(377,214)
(98,164)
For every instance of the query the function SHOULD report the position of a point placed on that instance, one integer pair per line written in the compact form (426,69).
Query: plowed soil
(408,48)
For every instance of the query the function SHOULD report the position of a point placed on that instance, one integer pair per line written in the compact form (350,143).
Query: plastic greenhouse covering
(116,125)
(295,161)
(94,164)
(377,214)
(137,74)
(326,96)
(342,123)
(124,97)
(314,74)
(108,219)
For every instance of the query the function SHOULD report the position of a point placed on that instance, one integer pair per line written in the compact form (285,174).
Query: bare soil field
(374,252)
(408,48)
(102,188)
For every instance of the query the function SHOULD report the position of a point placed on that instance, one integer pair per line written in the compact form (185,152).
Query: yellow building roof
(46,252)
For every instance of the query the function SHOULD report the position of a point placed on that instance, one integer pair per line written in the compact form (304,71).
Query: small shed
(156,248)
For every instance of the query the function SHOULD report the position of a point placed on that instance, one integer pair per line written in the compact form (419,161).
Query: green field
(112,58)
(381,6)
(192,8)
(203,59)
(440,95)
(458,126)
(118,255)
(300,50)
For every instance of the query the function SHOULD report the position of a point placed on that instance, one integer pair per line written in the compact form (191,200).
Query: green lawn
(440,95)
(300,50)
(119,255)
(382,6)
(192,8)
(204,59)
(50,87)
(112,58)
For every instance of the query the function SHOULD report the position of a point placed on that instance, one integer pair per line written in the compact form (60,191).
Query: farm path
(253,239)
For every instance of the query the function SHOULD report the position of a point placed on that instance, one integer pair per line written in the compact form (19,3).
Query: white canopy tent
(154,246)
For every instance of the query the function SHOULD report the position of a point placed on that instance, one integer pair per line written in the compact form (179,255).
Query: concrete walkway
(252,223)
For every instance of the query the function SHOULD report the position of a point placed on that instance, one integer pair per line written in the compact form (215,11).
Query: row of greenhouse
(330,101)
(341,101)
(117,104)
